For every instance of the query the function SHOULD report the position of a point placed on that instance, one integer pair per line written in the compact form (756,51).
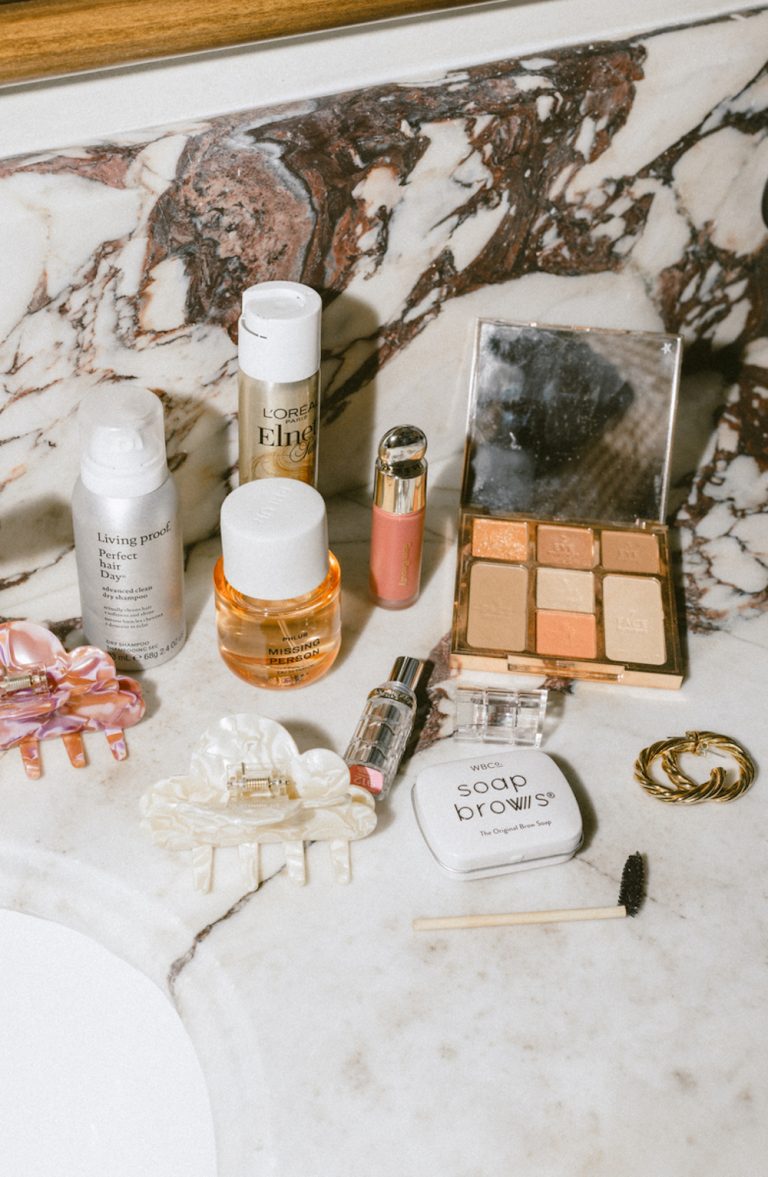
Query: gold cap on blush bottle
(400,485)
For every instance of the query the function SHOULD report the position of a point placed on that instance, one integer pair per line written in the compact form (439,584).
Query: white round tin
(493,814)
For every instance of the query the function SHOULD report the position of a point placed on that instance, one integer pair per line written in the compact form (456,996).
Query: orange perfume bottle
(277,586)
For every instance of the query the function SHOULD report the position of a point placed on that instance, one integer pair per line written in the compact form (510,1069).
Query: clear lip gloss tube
(397,527)
(377,745)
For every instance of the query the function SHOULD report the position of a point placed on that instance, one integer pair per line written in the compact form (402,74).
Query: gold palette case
(563,557)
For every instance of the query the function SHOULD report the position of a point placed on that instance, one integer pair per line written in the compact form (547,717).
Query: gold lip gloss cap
(400,485)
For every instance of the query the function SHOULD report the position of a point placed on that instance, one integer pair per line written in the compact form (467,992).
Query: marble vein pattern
(613,184)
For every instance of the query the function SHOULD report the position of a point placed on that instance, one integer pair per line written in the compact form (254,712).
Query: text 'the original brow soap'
(491,815)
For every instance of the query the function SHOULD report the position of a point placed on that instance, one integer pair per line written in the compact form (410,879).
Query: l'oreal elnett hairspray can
(279,381)
(128,543)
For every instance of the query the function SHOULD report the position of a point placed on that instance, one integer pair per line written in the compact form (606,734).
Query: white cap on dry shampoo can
(278,336)
(274,539)
(122,441)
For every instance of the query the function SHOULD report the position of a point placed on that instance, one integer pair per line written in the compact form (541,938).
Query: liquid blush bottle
(397,527)
(277,586)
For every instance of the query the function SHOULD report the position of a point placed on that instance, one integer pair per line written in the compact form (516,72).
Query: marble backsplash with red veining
(615,184)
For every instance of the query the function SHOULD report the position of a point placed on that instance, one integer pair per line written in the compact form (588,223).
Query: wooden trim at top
(49,38)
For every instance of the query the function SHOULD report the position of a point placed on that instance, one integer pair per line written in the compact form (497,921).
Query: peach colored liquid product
(397,525)
(277,586)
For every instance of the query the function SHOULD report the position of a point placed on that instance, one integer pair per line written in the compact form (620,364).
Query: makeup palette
(563,564)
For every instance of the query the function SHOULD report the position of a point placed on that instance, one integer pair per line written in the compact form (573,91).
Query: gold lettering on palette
(405,563)
(633,623)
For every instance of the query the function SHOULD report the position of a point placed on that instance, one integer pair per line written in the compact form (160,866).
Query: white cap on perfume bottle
(122,440)
(279,332)
(274,539)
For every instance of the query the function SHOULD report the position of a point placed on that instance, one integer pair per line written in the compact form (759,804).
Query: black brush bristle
(632,889)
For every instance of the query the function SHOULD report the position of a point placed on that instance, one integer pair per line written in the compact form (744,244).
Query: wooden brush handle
(563,915)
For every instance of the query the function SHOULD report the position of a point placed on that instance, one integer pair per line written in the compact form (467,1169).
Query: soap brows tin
(491,815)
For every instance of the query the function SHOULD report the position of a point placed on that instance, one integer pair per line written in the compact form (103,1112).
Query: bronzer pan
(563,561)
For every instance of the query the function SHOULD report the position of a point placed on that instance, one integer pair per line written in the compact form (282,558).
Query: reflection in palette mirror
(564,564)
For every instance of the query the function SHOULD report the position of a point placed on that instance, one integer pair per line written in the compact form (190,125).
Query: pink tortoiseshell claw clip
(47,692)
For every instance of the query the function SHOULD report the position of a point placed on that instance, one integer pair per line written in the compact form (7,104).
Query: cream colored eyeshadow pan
(633,620)
(563,588)
(497,614)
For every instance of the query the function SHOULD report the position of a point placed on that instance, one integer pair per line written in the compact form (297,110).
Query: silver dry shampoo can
(128,540)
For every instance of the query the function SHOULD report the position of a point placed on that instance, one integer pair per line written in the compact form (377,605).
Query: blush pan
(566,635)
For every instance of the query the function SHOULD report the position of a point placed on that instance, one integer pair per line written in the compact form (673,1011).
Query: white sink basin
(97,1073)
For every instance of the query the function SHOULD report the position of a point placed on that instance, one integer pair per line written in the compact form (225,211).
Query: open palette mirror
(563,563)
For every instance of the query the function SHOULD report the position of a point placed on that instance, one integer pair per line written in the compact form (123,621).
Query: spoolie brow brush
(631,892)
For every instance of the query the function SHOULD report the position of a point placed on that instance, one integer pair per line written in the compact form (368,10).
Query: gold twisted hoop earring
(684,789)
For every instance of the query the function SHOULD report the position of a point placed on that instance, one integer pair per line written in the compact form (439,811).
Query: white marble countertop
(336,1040)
